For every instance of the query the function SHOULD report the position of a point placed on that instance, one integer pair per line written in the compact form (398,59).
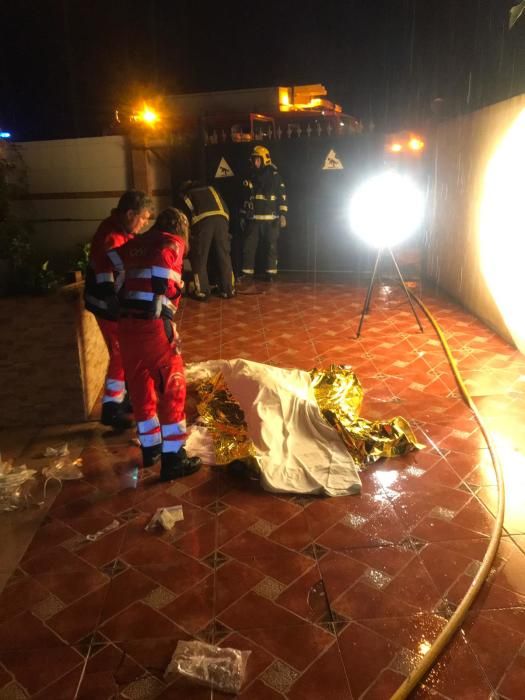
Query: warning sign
(224,169)
(332,162)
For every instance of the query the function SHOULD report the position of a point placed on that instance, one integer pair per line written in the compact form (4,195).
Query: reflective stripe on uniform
(117,398)
(104,277)
(271,198)
(219,203)
(172,445)
(188,203)
(116,260)
(149,296)
(114,391)
(150,439)
(146,426)
(174,429)
(265,217)
(140,296)
(115,385)
(218,212)
(165,273)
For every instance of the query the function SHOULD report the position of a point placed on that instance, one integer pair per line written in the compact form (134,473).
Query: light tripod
(366,305)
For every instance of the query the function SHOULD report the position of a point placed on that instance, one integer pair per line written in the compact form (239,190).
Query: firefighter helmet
(263,153)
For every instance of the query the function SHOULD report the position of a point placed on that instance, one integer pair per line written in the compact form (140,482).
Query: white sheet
(298,452)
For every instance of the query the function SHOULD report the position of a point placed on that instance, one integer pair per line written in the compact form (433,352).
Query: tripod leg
(406,290)
(366,305)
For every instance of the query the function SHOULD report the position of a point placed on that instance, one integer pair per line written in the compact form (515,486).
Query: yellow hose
(426,663)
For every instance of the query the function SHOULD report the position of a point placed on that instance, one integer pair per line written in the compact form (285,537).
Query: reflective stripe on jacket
(151,265)
(100,279)
(265,195)
(202,202)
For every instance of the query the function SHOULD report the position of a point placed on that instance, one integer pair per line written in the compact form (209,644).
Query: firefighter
(209,218)
(152,267)
(129,217)
(263,214)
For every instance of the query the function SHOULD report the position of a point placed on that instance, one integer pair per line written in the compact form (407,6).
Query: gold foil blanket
(339,396)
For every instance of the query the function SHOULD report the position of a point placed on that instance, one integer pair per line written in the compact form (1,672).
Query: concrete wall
(465,148)
(71,185)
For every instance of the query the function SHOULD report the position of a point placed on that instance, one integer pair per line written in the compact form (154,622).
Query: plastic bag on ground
(61,451)
(64,469)
(165,517)
(14,485)
(216,667)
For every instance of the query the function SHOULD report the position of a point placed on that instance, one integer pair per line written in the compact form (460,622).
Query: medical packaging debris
(14,485)
(165,517)
(219,668)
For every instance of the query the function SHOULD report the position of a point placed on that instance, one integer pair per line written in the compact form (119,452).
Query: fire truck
(256,114)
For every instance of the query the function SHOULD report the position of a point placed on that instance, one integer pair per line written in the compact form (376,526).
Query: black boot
(150,455)
(126,404)
(113,415)
(174,465)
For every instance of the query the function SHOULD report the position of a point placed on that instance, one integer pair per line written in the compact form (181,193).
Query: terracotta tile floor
(336,598)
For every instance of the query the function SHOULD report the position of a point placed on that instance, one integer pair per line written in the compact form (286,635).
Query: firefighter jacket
(99,274)
(265,195)
(151,265)
(202,202)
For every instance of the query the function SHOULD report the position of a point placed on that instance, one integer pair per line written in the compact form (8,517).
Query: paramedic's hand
(282,221)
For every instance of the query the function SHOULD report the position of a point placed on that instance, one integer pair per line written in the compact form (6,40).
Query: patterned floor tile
(334,597)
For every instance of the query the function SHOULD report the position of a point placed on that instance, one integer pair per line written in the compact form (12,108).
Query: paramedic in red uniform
(148,299)
(130,216)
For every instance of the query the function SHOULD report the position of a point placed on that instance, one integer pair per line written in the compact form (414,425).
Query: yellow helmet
(262,153)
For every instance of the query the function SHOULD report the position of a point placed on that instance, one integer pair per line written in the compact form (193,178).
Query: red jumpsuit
(152,266)
(99,281)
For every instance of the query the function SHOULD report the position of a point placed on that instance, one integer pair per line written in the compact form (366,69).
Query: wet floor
(336,598)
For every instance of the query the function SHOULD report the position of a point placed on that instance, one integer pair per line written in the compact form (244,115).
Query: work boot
(246,284)
(174,465)
(223,295)
(200,296)
(113,415)
(126,404)
(150,455)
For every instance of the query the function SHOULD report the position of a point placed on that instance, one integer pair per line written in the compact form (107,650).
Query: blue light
(5,134)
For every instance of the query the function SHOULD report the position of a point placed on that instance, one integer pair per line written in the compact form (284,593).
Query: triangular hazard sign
(224,169)
(332,162)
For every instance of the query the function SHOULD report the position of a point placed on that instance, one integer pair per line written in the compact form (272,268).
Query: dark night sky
(66,64)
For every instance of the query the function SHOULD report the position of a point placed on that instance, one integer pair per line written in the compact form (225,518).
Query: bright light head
(386,209)
(146,116)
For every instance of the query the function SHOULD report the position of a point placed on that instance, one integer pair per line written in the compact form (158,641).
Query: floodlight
(384,211)
(387,209)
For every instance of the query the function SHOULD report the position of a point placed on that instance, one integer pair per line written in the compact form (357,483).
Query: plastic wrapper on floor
(215,667)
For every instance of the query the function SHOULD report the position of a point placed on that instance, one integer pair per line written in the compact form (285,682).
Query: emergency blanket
(296,449)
